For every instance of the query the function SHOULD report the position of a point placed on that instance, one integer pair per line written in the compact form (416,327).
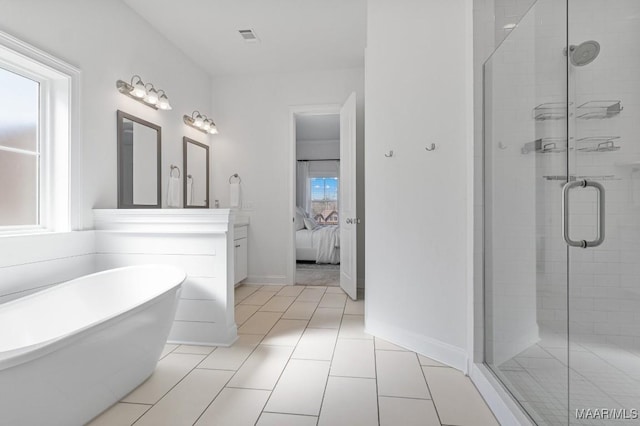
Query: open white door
(347,198)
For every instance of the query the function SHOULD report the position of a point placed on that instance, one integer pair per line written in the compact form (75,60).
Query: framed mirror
(196,174)
(139,180)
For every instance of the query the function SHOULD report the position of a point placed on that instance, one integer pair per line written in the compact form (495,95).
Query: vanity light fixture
(200,122)
(138,90)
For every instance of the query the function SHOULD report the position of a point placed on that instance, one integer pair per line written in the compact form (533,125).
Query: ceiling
(295,35)
(317,127)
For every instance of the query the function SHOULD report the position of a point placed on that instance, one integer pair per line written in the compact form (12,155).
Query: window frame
(59,149)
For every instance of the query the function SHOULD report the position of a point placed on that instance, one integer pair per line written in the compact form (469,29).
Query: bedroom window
(324,200)
(38,140)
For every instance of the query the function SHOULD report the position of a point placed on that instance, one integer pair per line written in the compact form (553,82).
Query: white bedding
(321,244)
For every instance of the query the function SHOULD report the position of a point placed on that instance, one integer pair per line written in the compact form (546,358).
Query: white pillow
(310,223)
(299,221)
(302,211)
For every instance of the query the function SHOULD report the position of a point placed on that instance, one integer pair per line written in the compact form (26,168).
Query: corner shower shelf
(550,111)
(599,109)
(545,145)
(599,144)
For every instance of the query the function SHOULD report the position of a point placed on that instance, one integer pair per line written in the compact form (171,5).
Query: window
(19,149)
(38,140)
(324,200)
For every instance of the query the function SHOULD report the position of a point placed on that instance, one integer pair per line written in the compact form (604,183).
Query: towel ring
(174,168)
(235,175)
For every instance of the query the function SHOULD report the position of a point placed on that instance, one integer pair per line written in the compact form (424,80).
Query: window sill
(27,231)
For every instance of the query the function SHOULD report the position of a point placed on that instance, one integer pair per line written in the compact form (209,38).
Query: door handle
(565,213)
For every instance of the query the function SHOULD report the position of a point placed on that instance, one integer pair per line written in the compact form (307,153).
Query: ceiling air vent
(249,36)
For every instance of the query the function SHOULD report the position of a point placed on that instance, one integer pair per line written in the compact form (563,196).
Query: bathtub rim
(24,354)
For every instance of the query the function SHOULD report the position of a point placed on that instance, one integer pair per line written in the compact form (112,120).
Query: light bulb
(213,130)
(152,96)
(163,102)
(206,125)
(199,121)
(139,90)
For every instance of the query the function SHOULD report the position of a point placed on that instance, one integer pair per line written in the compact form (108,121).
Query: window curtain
(303,198)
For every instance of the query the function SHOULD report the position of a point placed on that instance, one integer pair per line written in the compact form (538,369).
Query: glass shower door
(604,278)
(525,158)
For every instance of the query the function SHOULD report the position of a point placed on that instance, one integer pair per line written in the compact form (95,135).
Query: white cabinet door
(240,267)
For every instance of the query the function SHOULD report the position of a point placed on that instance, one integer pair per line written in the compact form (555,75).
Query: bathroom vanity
(202,242)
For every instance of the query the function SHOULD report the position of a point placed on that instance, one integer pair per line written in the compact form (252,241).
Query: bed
(320,245)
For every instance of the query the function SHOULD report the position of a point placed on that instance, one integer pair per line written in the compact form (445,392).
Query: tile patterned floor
(302,359)
(602,375)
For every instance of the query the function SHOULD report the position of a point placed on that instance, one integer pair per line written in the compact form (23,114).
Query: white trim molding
(432,348)
(503,406)
(63,161)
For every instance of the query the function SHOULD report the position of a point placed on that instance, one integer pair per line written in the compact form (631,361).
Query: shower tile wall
(527,257)
(605,281)
(507,13)
(512,206)
(520,73)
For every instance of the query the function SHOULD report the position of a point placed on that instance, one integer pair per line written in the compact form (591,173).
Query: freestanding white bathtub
(69,352)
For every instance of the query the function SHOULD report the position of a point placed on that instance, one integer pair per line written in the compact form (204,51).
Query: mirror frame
(121,115)
(185,142)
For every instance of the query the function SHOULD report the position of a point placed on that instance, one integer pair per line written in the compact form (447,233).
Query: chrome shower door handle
(565,213)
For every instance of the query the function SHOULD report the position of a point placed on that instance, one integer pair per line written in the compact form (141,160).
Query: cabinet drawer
(240,232)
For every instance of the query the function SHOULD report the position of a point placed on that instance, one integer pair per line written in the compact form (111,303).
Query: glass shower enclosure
(562,212)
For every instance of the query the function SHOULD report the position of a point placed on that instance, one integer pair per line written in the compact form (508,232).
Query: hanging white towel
(234,195)
(189,191)
(173,192)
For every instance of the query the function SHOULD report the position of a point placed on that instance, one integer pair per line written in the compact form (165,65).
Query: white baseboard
(432,348)
(503,406)
(266,279)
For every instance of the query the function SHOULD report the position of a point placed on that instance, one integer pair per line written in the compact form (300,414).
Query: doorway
(317,199)
(323,189)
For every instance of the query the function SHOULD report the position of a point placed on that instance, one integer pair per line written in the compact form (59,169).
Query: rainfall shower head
(584,53)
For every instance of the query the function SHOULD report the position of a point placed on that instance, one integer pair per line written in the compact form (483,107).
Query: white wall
(318,150)
(419,91)
(107,41)
(252,114)
(33,263)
